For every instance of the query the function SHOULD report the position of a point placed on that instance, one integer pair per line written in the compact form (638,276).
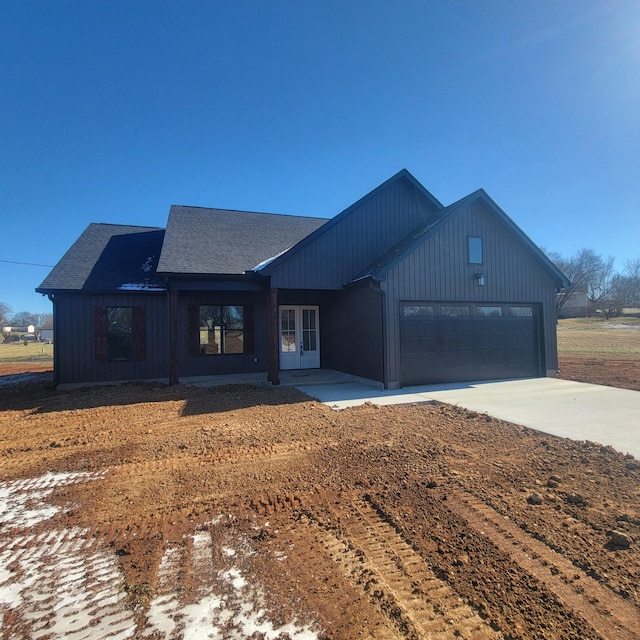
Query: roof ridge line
(132,226)
(259,213)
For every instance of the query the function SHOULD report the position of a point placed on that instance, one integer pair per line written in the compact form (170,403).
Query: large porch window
(220,329)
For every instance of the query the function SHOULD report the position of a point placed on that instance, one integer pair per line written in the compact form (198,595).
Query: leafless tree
(631,277)
(5,314)
(23,319)
(601,279)
(632,269)
(590,275)
(43,320)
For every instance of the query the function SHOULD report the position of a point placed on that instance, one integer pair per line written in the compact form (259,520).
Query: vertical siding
(352,333)
(438,270)
(75,345)
(355,241)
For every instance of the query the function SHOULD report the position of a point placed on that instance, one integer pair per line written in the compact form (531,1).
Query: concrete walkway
(559,407)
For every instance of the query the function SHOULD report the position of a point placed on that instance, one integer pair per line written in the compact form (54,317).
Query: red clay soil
(622,372)
(418,521)
(12,368)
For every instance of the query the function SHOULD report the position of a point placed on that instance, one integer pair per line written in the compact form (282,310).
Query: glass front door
(299,337)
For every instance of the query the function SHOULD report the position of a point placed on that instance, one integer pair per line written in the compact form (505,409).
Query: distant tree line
(596,283)
(23,318)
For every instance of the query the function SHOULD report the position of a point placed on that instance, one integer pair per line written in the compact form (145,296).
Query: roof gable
(380,268)
(207,241)
(383,215)
(108,257)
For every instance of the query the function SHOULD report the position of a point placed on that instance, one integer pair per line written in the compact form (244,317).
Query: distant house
(19,329)
(397,288)
(574,304)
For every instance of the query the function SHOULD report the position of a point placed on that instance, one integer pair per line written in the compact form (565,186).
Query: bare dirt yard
(144,511)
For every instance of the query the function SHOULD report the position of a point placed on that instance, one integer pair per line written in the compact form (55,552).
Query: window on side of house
(221,329)
(475,250)
(119,334)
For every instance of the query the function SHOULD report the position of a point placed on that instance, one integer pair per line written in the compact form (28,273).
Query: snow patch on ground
(22,502)
(21,378)
(633,327)
(56,582)
(65,584)
(236,611)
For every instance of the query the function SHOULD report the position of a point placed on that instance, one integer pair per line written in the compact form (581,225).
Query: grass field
(617,337)
(36,354)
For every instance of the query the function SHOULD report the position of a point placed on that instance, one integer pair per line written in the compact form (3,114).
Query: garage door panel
(449,343)
(474,347)
(494,340)
(427,344)
(485,357)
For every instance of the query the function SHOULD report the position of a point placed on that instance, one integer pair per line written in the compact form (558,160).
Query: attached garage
(458,341)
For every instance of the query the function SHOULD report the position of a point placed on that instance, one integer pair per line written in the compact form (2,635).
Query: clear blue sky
(112,110)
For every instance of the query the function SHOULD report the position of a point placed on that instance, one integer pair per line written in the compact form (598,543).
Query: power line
(31,264)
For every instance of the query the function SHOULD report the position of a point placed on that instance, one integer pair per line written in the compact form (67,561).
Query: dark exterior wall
(354,242)
(75,338)
(352,333)
(206,365)
(438,270)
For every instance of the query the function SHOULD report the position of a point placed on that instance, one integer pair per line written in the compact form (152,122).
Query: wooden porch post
(273,363)
(173,337)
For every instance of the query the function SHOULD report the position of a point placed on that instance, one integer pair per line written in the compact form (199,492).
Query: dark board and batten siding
(356,240)
(438,270)
(76,360)
(352,325)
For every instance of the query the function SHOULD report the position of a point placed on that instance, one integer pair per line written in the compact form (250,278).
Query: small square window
(475,250)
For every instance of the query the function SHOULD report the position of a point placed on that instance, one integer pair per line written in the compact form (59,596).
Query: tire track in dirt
(375,558)
(344,609)
(608,614)
(229,455)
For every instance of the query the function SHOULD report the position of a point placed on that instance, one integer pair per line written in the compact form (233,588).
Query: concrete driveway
(559,407)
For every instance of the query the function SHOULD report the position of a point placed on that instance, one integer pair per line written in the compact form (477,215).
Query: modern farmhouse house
(397,288)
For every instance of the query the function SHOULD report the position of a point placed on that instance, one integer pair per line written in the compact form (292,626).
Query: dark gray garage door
(455,342)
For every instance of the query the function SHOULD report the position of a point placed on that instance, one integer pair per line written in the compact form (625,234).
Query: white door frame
(299,336)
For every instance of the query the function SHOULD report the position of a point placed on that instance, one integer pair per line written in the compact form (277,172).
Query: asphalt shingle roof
(109,257)
(199,240)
